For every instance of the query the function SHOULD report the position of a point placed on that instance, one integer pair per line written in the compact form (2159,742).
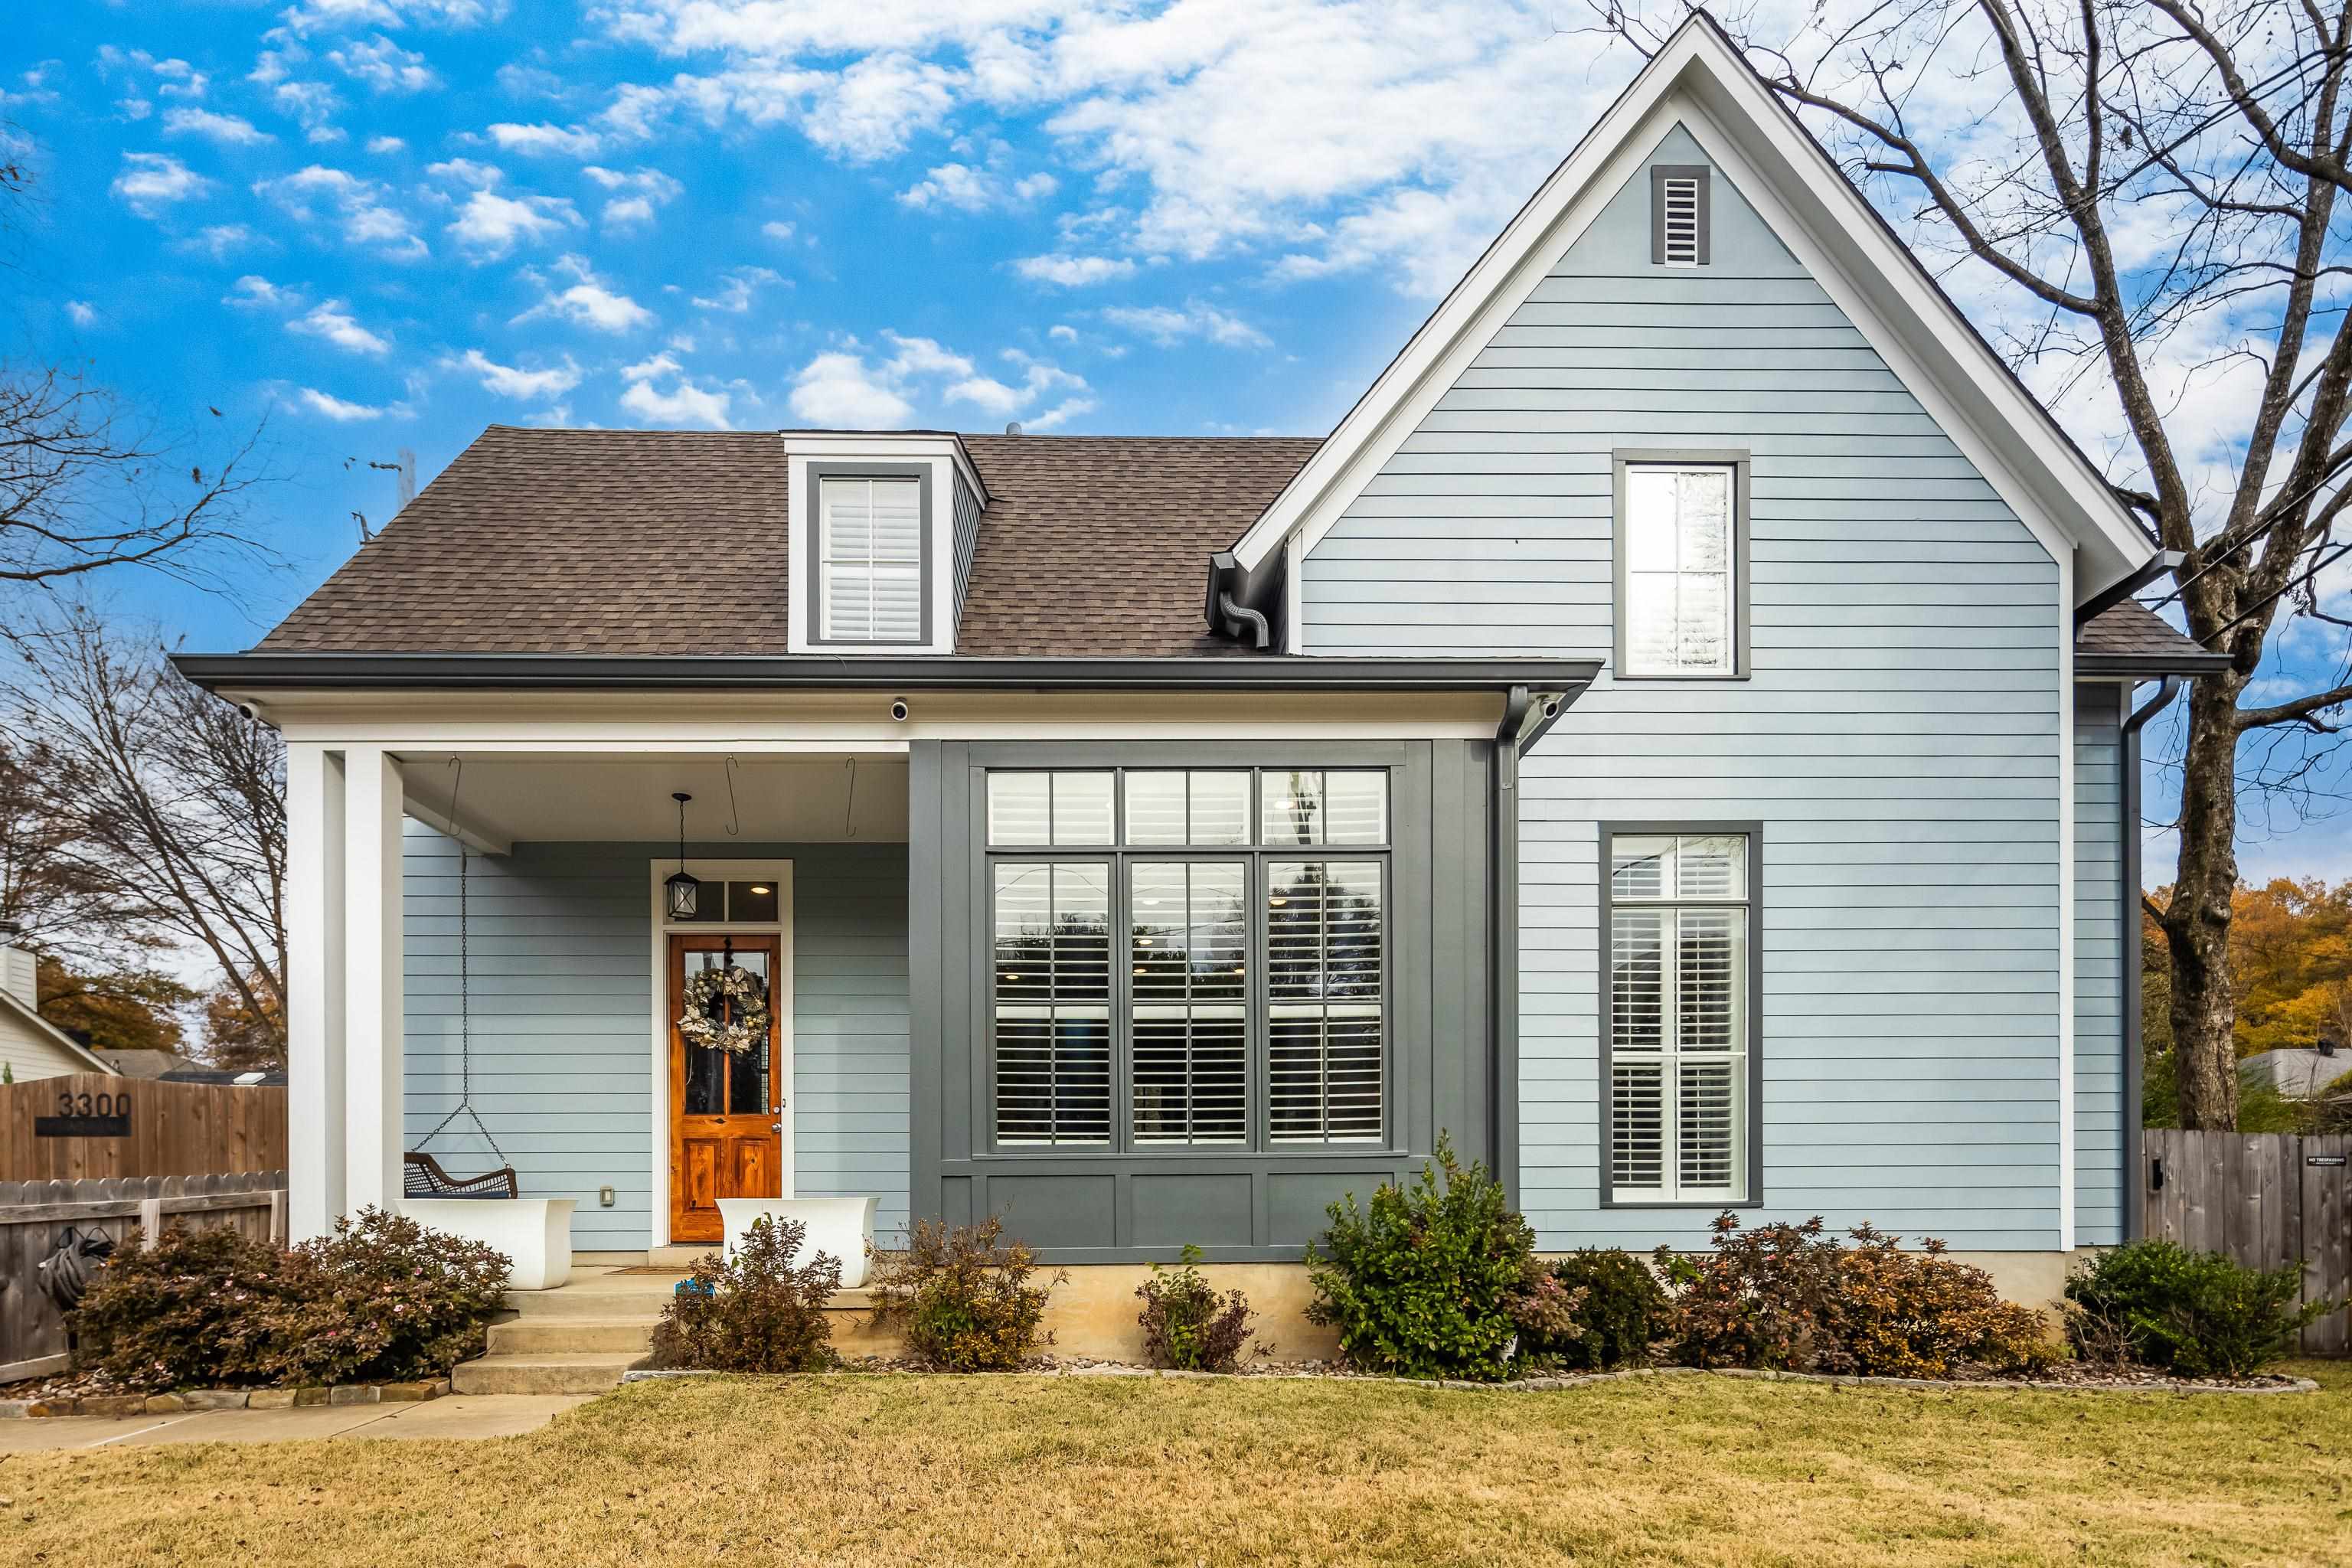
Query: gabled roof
(54,1036)
(664,542)
(1699,79)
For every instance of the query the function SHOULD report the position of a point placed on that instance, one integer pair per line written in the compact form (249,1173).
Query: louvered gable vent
(1679,228)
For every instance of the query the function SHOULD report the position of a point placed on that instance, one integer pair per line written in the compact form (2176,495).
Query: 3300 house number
(94,1104)
(102,1115)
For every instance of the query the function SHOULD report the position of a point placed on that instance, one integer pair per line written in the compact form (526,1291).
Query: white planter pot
(842,1227)
(534,1232)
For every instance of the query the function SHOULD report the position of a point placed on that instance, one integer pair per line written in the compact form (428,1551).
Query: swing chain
(465,992)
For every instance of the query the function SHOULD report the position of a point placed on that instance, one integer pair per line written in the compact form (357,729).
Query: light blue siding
(560,942)
(967,538)
(2102,924)
(1898,741)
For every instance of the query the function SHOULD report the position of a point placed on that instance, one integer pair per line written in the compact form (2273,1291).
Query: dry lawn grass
(1115,1471)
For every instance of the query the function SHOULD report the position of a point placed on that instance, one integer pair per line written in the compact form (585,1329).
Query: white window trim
(1742,574)
(944,454)
(1749,1164)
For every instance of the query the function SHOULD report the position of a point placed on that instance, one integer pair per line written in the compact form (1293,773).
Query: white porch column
(373,988)
(314,986)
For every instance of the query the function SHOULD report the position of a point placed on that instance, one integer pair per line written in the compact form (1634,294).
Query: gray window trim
(1755,1107)
(1738,459)
(1254,856)
(1659,175)
(817,473)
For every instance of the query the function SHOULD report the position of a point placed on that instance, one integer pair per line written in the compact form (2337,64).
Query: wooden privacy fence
(34,1216)
(2265,1199)
(85,1126)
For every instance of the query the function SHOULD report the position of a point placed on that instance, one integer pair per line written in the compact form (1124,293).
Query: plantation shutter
(1052,1024)
(1326,962)
(1677,1017)
(870,560)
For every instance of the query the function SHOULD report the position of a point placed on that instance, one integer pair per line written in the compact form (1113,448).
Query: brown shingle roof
(558,541)
(2131,635)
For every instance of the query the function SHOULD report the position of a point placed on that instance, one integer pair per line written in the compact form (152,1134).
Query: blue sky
(380,224)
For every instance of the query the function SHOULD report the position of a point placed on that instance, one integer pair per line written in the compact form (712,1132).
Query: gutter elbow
(1240,615)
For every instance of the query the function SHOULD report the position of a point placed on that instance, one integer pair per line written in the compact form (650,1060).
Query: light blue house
(1674,737)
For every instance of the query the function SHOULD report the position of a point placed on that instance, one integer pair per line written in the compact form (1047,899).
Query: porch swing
(421,1175)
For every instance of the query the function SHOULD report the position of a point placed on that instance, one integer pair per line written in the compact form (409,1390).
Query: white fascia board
(55,1036)
(944,455)
(1699,79)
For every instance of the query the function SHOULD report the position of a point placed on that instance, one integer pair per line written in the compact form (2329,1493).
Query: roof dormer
(882,525)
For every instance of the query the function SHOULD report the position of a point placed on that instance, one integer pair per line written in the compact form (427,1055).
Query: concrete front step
(544,1335)
(571,1372)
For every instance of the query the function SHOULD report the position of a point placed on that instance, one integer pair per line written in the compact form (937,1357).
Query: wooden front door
(726,1109)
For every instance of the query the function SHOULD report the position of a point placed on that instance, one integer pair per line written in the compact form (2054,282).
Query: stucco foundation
(1093,1313)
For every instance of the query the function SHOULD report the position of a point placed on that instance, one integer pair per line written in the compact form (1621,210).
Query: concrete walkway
(456,1415)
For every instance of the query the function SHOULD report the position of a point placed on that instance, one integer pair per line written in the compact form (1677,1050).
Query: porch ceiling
(802,799)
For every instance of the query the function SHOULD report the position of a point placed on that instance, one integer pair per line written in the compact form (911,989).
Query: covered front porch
(490,970)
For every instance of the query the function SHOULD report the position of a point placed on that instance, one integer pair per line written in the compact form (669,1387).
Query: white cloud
(330,320)
(683,404)
(1061,414)
(466,172)
(361,206)
(1038,377)
(311,104)
(82,313)
(308,17)
(132,107)
(151,184)
(385,66)
(735,290)
(1062,334)
(569,142)
(587,301)
(1074,271)
(255,291)
(637,196)
(228,130)
(336,409)
(218,241)
(381,145)
(507,381)
(778,231)
(974,190)
(1167,326)
(841,391)
(491,225)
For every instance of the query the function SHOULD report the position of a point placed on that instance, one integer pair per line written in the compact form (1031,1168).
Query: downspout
(1503,920)
(2135,1064)
(1261,634)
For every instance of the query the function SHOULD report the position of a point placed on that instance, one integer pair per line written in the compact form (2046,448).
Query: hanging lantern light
(683,892)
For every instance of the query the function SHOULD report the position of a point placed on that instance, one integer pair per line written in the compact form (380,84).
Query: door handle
(775,1127)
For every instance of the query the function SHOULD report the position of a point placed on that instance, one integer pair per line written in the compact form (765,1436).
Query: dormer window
(884,524)
(869,559)
(1679,226)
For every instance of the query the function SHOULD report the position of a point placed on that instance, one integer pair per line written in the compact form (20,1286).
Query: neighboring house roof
(2131,640)
(145,1064)
(1699,79)
(652,542)
(30,1018)
(2298,1072)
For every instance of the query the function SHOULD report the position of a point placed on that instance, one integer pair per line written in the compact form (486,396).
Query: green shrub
(383,1300)
(190,1311)
(2195,1313)
(756,1312)
(1422,1280)
(1623,1308)
(962,1295)
(1792,1298)
(1186,1325)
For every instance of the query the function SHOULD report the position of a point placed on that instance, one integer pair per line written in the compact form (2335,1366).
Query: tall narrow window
(869,562)
(1053,1030)
(1678,1023)
(1190,1000)
(1326,960)
(1679,572)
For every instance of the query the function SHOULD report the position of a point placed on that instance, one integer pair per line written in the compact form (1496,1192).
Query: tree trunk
(2196,924)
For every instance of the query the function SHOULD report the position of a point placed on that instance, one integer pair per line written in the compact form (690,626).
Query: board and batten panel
(1898,739)
(967,537)
(558,937)
(2104,925)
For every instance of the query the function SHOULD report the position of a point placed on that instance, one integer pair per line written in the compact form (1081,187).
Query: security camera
(898,708)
